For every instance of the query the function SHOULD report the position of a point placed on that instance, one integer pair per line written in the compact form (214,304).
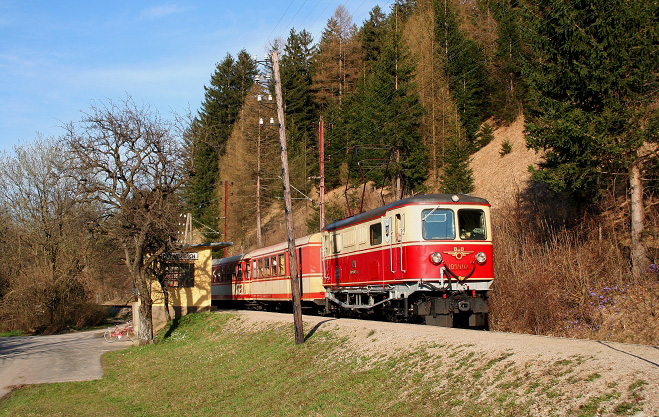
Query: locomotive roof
(419,199)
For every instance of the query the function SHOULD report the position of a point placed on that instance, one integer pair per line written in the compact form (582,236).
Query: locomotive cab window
(437,224)
(472,224)
(376,234)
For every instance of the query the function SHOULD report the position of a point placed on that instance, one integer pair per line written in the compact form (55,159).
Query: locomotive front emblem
(459,253)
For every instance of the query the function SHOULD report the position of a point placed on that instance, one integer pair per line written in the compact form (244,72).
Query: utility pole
(290,232)
(226,214)
(321,145)
(259,237)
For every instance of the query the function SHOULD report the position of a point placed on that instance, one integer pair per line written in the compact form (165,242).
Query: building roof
(206,245)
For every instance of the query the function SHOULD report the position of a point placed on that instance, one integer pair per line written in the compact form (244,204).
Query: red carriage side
(427,256)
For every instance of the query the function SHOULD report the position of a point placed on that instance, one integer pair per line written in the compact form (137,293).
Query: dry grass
(570,280)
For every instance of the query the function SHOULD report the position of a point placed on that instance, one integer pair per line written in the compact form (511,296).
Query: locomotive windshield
(438,224)
(472,224)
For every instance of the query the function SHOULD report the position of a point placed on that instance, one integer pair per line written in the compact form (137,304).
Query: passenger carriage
(225,276)
(262,277)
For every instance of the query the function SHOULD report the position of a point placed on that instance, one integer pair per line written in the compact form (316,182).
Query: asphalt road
(57,358)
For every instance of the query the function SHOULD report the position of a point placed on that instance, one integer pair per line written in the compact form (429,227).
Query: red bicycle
(116,333)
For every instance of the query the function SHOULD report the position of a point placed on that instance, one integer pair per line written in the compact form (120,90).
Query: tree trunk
(639,258)
(145,331)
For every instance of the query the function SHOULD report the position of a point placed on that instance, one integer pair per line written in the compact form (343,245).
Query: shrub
(506,148)
(573,282)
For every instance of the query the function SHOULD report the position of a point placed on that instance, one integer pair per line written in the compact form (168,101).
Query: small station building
(188,273)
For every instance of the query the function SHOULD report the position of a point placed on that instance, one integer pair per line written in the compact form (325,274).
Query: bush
(485,135)
(42,305)
(506,148)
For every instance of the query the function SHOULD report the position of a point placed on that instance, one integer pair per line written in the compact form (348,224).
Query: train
(425,259)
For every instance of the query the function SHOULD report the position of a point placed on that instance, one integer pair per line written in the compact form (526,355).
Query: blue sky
(58,57)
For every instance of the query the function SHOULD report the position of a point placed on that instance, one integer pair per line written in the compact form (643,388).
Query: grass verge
(211,364)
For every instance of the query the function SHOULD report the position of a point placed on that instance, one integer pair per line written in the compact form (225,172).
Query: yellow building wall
(185,300)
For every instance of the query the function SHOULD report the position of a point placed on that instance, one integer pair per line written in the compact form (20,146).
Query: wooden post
(290,232)
(321,145)
(639,256)
(226,214)
(259,236)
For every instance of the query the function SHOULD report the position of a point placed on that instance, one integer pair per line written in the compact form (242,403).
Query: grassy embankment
(12,333)
(210,365)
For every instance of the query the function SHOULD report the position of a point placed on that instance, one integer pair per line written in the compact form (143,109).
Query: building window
(178,274)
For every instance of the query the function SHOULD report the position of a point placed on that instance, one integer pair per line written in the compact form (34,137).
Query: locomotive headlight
(481,258)
(436,258)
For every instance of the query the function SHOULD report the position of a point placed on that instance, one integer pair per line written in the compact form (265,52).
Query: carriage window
(266,267)
(399,227)
(282,265)
(472,224)
(248,271)
(274,266)
(376,234)
(240,272)
(261,268)
(437,224)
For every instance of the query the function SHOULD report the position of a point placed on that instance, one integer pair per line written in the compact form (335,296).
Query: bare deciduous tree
(45,262)
(131,160)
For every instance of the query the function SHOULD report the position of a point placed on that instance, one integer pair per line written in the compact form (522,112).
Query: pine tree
(296,67)
(457,176)
(371,36)
(594,85)
(438,124)
(507,86)
(388,113)
(464,64)
(593,77)
(338,63)
(210,130)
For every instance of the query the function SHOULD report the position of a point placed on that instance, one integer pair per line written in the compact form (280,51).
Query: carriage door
(398,250)
(394,243)
(388,253)
(247,277)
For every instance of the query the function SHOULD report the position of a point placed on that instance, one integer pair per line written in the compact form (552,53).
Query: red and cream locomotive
(426,257)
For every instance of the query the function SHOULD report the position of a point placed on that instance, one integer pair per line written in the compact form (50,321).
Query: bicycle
(127,331)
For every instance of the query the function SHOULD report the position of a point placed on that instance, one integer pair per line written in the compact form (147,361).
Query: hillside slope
(496,178)
(499,178)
